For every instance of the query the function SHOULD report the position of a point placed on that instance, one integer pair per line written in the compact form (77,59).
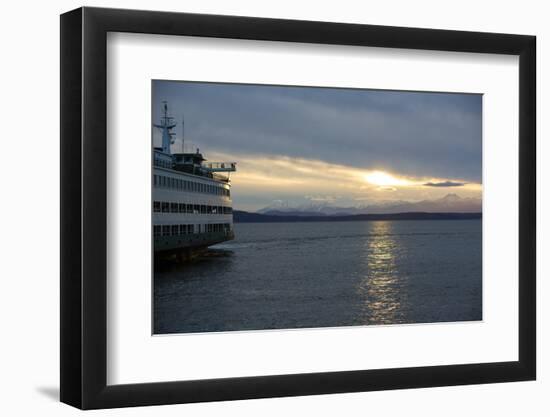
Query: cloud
(431,135)
(300,145)
(445,184)
(261,180)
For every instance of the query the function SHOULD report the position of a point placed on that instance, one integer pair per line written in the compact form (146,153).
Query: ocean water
(326,274)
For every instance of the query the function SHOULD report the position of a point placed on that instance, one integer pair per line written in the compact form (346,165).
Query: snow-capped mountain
(451,203)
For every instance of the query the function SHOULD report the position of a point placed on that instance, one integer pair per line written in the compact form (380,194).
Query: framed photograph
(258,208)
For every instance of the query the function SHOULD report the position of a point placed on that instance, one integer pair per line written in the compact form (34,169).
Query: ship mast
(166,125)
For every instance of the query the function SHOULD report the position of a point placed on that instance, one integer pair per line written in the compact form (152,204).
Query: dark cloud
(416,134)
(445,184)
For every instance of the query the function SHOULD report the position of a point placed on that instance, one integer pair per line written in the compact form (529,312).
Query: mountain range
(451,203)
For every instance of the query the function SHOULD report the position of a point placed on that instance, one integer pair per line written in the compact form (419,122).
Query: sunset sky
(343,147)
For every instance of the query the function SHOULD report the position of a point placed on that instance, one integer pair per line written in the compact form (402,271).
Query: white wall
(29,215)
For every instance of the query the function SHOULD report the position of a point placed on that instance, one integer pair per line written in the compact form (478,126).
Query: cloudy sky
(344,147)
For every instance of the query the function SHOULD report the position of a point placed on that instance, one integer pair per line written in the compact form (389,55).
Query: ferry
(192,207)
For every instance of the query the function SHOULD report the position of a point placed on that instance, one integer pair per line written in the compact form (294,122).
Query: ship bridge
(219,166)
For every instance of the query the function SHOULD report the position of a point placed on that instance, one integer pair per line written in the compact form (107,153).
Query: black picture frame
(84,207)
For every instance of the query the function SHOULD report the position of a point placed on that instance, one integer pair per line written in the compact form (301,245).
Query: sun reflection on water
(381,287)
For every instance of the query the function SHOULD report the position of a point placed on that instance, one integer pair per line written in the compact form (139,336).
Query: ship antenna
(182,134)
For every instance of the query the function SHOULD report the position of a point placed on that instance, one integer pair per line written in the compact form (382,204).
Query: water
(326,274)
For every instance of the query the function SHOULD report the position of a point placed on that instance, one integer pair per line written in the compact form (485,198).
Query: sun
(384,179)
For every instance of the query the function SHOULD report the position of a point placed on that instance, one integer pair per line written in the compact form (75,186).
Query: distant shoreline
(247,217)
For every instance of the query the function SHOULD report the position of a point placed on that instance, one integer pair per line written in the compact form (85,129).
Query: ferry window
(196,209)
(214,209)
(156,206)
(203,209)
(174,207)
(165,230)
(165,207)
(156,231)
(154,179)
(183,229)
(182,208)
(209,228)
(175,230)
(189,208)
(208,209)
